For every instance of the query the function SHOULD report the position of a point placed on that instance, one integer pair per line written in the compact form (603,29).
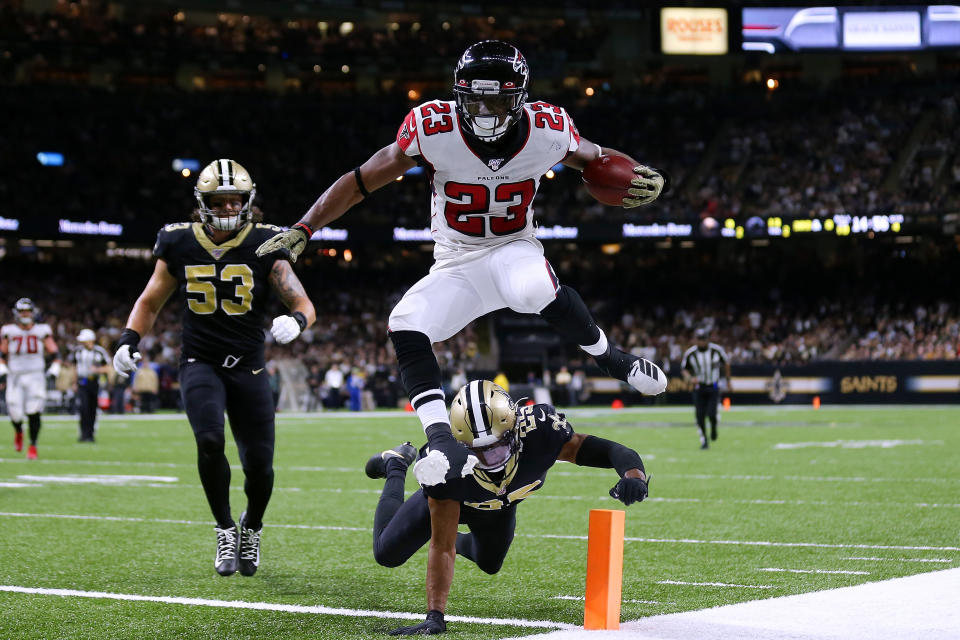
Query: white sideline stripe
(717,584)
(838,571)
(18,485)
(539,536)
(853,444)
(942,560)
(582,598)
(288,608)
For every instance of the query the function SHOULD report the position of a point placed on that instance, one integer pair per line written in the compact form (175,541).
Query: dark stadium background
(812,222)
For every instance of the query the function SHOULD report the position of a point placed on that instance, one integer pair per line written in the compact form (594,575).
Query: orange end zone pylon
(604,569)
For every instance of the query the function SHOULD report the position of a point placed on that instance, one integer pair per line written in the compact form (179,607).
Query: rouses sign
(693,31)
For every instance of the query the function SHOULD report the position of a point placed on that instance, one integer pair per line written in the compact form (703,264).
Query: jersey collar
(219,250)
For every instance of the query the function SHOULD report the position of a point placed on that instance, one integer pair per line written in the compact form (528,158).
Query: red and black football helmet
(490,86)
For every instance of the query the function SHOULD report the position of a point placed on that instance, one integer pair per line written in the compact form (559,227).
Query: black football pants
(401,528)
(208,390)
(705,398)
(87,390)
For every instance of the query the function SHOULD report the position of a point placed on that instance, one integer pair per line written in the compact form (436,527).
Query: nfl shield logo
(217,253)
(495,163)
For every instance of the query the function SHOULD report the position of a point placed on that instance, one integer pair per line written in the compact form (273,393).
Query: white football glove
(3,369)
(646,187)
(54,369)
(125,362)
(285,329)
(432,469)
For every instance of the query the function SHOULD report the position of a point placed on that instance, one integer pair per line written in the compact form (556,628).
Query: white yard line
(555,473)
(937,560)
(551,536)
(582,598)
(717,584)
(828,571)
(271,606)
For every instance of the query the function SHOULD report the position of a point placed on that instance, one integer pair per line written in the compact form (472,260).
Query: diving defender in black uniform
(224,288)
(515,446)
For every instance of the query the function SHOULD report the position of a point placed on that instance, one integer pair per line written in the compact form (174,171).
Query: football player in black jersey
(515,446)
(224,289)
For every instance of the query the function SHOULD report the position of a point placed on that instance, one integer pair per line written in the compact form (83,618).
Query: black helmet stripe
(477,409)
(225,172)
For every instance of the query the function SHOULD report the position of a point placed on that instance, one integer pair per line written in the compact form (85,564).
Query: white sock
(433,411)
(599,348)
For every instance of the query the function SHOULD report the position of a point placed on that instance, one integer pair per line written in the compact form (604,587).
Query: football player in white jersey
(23,345)
(485,152)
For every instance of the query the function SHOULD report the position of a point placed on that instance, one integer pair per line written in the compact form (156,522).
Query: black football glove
(448,458)
(433,625)
(630,490)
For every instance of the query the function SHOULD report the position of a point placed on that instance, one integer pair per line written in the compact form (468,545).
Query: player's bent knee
(385,558)
(534,297)
(210,442)
(491,567)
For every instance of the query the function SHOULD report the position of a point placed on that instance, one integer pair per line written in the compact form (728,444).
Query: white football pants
(514,275)
(25,394)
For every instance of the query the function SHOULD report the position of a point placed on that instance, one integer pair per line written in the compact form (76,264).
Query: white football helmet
(24,311)
(224,176)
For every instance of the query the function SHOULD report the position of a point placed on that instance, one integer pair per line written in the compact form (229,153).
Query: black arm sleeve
(606,454)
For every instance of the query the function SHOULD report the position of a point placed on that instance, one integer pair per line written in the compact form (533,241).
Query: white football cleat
(647,378)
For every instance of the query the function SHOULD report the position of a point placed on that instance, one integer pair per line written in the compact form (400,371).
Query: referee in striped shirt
(702,363)
(92,361)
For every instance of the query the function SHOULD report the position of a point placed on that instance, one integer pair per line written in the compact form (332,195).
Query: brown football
(608,177)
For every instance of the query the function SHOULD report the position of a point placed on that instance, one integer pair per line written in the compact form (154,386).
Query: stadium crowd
(803,316)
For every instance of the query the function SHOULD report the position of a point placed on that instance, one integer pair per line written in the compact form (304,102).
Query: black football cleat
(377,464)
(225,560)
(249,547)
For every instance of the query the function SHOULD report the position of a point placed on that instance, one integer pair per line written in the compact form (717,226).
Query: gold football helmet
(484,417)
(225,176)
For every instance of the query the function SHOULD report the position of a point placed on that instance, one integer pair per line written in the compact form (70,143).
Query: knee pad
(210,442)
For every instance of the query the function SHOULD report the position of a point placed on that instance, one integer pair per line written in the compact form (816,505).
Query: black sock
(18,426)
(569,316)
(259,488)
(34,419)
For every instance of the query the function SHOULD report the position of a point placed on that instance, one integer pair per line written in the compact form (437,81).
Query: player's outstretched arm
(591,451)
(383,167)
(143,316)
(444,517)
(290,291)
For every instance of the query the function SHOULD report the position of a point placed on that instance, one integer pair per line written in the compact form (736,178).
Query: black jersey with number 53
(224,290)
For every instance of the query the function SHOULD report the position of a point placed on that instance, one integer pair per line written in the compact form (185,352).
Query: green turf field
(786,501)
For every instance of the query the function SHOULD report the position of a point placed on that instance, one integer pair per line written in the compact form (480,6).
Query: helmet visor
(495,454)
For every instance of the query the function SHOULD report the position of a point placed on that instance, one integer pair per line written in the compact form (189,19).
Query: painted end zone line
(288,608)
